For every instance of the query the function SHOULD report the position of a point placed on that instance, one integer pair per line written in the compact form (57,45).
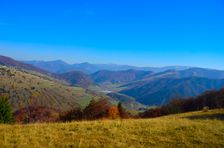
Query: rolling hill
(27,89)
(195,129)
(151,88)
(57,66)
(154,87)
(76,78)
(127,101)
(7,61)
(105,76)
(160,91)
(191,72)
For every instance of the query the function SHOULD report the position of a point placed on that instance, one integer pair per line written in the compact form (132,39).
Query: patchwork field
(197,129)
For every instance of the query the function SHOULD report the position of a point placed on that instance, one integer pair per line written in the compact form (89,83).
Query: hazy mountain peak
(59,66)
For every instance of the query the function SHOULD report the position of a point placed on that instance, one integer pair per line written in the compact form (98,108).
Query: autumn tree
(36,114)
(75,114)
(96,109)
(113,112)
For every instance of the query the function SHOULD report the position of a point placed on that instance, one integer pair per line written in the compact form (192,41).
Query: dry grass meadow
(197,129)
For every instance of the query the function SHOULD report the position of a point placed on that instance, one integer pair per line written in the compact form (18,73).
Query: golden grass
(183,130)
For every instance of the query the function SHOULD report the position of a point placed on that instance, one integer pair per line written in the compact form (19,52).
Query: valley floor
(197,129)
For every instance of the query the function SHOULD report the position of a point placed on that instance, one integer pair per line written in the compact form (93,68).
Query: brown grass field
(196,129)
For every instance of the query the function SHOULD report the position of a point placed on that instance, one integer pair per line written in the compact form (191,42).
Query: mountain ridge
(89,68)
(146,87)
(7,61)
(160,91)
(125,76)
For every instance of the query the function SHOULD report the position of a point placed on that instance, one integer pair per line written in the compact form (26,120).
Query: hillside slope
(191,72)
(6,61)
(25,88)
(197,129)
(127,101)
(105,76)
(160,91)
(57,66)
(76,78)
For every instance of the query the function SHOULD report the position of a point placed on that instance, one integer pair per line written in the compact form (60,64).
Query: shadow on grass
(217,116)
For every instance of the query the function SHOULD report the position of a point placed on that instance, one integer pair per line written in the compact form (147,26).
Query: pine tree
(89,110)
(6,115)
(123,113)
(120,107)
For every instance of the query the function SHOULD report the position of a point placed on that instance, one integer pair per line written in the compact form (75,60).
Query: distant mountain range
(60,66)
(148,86)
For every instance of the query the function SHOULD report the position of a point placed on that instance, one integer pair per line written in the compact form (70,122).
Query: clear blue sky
(134,32)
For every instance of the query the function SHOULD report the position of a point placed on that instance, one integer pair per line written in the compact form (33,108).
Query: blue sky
(133,32)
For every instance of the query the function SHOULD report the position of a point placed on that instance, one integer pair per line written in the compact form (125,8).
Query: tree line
(96,109)
(210,99)
(102,109)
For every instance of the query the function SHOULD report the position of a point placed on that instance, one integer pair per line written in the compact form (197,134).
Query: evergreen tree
(122,111)
(120,107)
(89,110)
(6,115)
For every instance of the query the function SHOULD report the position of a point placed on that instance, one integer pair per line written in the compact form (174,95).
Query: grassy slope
(26,88)
(171,131)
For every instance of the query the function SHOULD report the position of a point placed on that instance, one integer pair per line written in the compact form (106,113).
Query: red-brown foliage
(32,114)
(152,113)
(97,109)
(75,114)
(113,112)
(100,109)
